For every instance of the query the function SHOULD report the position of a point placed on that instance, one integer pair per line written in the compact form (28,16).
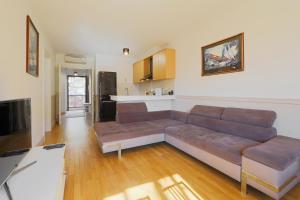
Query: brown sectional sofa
(225,138)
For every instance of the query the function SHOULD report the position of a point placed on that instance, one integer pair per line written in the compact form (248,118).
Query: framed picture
(32,48)
(225,56)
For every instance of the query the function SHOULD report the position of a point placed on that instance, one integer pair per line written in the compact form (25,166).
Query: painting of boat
(224,56)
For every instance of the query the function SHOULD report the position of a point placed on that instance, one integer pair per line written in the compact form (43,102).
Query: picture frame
(32,48)
(225,56)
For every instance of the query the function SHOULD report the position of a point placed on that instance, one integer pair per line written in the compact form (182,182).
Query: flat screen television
(15,134)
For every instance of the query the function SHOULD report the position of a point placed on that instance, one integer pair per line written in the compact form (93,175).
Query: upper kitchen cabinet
(138,71)
(142,70)
(159,66)
(164,64)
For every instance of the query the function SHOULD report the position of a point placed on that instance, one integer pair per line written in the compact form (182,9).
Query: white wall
(48,87)
(271,51)
(271,71)
(123,66)
(15,83)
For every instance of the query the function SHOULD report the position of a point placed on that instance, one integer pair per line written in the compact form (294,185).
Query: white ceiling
(92,27)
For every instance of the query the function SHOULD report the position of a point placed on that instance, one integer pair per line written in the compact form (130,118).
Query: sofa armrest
(277,153)
(272,167)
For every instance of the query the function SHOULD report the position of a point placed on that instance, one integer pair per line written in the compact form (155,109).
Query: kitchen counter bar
(141,98)
(154,103)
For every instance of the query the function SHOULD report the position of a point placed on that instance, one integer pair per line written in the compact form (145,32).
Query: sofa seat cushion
(113,131)
(225,146)
(278,153)
(102,128)
(164,123)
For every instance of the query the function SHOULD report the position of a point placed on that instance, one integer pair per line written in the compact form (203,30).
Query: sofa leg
(244,184)
(119,151)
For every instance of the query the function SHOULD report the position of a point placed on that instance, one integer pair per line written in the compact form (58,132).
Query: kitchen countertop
(142,98)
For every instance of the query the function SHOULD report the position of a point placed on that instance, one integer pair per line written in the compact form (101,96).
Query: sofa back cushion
(208,111)
(130,117)
(179,116)
(131,112)
(131,107)
(156,115)
(262,118)
(256,133)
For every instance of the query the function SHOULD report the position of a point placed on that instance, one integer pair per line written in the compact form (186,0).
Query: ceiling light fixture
(75,73)
(126,51)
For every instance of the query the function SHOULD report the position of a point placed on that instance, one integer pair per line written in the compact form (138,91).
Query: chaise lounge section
(135,126)
(237,142)
(272,167)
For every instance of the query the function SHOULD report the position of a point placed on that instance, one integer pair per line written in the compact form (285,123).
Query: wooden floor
(153,172)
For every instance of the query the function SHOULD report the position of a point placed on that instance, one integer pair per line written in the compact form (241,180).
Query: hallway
(152,172)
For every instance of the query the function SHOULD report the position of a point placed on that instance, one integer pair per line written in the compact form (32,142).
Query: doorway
(77,92)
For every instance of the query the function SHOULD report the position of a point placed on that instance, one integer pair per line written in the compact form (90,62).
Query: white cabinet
(45,180)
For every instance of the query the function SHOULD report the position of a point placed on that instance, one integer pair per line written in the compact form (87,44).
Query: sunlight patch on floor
(172,188)
(120,196)
(141,192)
(176,188)
(144,191)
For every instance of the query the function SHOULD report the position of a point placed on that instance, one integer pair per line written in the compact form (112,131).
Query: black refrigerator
(107,85)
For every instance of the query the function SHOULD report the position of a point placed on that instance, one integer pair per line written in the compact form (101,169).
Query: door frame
(68,76)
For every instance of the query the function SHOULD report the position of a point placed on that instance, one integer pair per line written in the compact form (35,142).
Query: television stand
(7,190)
(40,175)
(5,185)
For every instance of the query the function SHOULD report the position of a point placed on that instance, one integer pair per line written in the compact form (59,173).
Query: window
(77,92)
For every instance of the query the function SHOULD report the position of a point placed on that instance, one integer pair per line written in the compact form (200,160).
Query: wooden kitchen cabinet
(138,71)
(159,66)
(142,70)
(164,64)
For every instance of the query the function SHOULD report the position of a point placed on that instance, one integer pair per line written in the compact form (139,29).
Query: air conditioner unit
(76,59)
